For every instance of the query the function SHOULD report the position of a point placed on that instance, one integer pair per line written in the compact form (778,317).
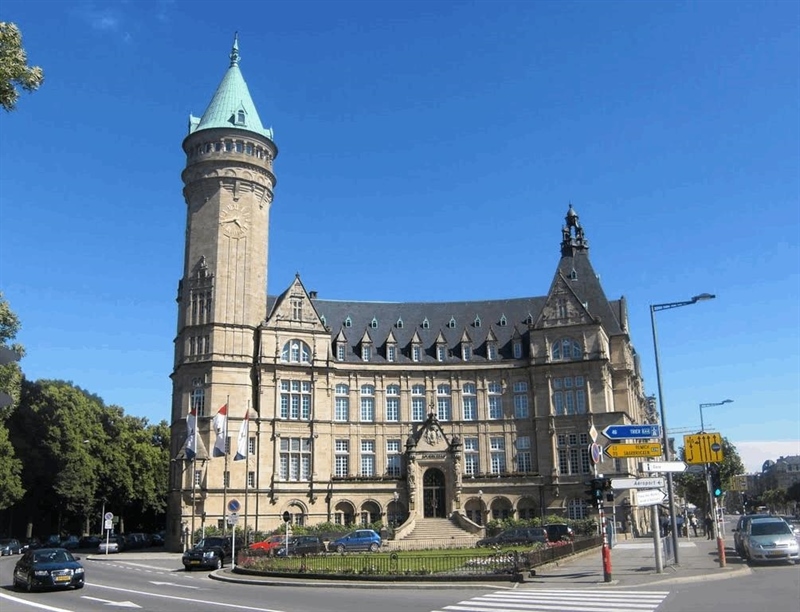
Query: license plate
(775,553)
(195,562)
(63,578)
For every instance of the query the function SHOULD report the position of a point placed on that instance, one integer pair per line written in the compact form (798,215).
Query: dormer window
(425,323)
(466,352)
(491,351)
(517,347)
(340,348)
(366,352)
(324,321)
(441,352)
(529,319)
(399,324)
(452,323)
(416,353)
(240,117)
(348,322)
(477,322)
(503,321)
(374,323)
(391,353)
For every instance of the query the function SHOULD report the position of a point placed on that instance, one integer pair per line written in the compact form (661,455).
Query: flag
(241,442)
(221,427)
(191,434)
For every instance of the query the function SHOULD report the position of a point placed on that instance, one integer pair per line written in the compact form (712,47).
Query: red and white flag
(241,442)
(220,421)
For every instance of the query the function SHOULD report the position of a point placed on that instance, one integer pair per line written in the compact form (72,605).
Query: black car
(303,545)
(556,532)
(48,568)
(10,546)
(517,535)
(210,552)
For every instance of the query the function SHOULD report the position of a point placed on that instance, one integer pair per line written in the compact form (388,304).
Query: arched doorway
(433,500)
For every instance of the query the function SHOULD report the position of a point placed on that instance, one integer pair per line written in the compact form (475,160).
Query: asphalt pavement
(633,564)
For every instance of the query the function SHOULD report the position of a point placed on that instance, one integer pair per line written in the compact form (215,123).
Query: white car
(770,539)
(113,546)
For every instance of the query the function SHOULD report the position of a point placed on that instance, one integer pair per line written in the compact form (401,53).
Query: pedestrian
(709,526)
(693,523)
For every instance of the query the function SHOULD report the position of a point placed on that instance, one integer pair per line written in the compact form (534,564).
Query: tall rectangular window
(443,402)
(295,400)
(340,351)
(393,403)
(569,395)
(418,403)
(524,454)
(391,353)
(573,453)
(198,478)
(393,458)
(470,402)
(368,457)
(342,403)
(297,309)
(295,459)
(367,404)
(226,479)
(341,458)
(495,400)
(521,400)
(251,445)
(416,352)
(497,447)
(471,456)
(366,352)
(251,480)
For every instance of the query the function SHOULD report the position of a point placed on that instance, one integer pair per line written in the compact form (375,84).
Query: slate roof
(231,96)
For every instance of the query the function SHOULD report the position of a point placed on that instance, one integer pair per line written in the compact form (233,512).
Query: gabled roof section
(231,106)
(465,337)
(366,339)
(285,309)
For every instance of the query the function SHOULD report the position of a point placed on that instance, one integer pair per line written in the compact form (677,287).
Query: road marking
(204,603)
(175,584)
(561,600)
(32,604)
(108,602)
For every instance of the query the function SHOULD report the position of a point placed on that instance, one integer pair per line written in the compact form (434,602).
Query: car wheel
(29,585)
(340,548)
(373,547)
(219,563)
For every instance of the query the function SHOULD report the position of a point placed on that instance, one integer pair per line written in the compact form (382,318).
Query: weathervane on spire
(235,50)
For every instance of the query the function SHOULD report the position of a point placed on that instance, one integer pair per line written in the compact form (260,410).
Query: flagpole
(195,433)
(225,472)
(246,476)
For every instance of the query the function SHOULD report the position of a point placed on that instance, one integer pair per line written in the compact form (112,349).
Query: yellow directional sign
(703,448)
(623,451)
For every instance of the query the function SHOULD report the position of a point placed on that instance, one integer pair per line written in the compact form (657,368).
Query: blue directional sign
(632,432)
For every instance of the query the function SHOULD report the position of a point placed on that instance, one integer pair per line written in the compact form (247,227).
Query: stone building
(354,412)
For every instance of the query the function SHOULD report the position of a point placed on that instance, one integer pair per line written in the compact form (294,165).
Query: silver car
(770,539)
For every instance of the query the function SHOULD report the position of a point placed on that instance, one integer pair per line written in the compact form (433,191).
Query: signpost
(703,448)
(632,432)
(596,452)
(233,506)
(624,451)
(637,483)
(662,466)
(109,517)
(650,497)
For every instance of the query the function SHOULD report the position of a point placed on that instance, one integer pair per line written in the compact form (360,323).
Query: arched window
(296,351)
(566,349)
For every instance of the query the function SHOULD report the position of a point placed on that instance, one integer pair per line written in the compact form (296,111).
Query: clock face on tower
(235,220)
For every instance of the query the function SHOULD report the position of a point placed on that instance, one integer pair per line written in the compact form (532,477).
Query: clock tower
(222,295)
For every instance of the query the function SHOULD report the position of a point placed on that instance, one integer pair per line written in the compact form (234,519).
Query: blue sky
(428,152)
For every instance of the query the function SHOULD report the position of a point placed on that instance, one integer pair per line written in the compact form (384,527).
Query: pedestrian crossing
(561,600)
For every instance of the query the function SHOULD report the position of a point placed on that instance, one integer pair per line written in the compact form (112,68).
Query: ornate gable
(294,308)
(562,307)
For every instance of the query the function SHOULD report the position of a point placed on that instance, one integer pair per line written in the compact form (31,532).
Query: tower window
(240,117)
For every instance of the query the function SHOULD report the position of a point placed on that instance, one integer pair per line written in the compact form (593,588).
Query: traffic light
(594,492)
(716,481)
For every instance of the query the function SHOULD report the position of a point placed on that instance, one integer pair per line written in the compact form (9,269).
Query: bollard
(721,551)
(606,563)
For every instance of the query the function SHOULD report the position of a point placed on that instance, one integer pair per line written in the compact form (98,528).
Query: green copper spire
(231,106)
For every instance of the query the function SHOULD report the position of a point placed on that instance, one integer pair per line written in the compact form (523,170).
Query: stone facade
(355,412)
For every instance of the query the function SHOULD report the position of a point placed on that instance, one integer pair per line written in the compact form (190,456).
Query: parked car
(360,539)
(71,542)
(303,545)
(31,543)
(48,568)
(557,532)
(516,535)
(770,539)
(271,544)
(210,552)
(89,542)
(113,544)
(10,546)
(740,532)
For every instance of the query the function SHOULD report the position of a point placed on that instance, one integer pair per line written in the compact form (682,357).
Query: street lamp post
(712,502)
(702,423)
(653,309)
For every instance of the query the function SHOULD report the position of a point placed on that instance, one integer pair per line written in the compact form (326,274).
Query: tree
(692,487)
(14,69)
(11,489)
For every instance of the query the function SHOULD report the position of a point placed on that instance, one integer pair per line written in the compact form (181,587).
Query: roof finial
(235,51)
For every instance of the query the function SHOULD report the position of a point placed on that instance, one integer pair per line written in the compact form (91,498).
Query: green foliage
(586,526)
(692,487)
(11,489)
(793,493)
(14,69)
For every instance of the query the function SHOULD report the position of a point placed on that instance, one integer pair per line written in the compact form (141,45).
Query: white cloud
(755,453)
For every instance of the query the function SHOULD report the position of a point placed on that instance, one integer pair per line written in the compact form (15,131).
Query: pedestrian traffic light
(716,481)
(594,492)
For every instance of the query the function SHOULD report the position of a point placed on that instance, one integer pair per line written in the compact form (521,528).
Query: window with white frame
(497,449)
(198,399)
(295,400)
(523,445)
(296,351)
(297,309)
(198,478)
(471,456)
(341,411)
(491,351)
(466,351)
(416,352)
(251,445)
(495,390)
(340,347)
(391,353)
(295,459)
(569,395)
(441,352)
(393,403)
(517,348)
(393,458)
(367,404)
(470,402)
(368,457)
(566,349)
(520,399)
(366,352)
(341,466)
(226,479)
(418,403)
(573,453)
(251,479)
(576,509)
(443,402)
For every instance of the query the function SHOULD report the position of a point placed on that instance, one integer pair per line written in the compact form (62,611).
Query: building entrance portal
(433,499)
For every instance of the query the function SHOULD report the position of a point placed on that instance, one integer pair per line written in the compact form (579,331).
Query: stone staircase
(434,533)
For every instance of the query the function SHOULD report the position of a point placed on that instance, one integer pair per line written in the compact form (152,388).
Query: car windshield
(769,528)
(58,556)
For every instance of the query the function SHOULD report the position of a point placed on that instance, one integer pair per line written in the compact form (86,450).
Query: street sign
(739,482)
(703,448)
(595,452)
(623,451)
(637,483)
(650,497)
(632,432)
(108,516)
(234,505)
(593,433)
(233,518)
(108,524)
(662,466)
